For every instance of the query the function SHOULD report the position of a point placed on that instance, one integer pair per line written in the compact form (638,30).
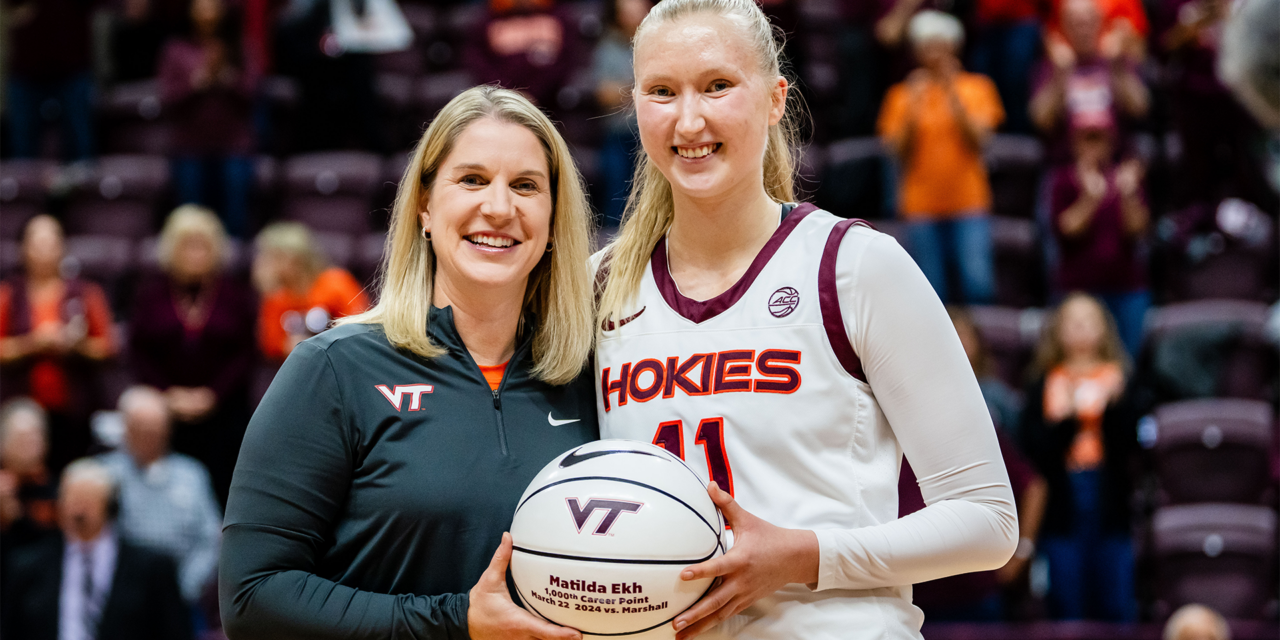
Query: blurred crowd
(192,187)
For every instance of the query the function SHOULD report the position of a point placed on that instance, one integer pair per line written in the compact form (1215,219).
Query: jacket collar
(443,331)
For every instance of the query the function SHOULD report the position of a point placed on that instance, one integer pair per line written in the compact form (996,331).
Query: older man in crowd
(166,499)
(90,583)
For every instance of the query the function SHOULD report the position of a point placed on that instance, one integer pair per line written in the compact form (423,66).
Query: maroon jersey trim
(829,300)
(701,311)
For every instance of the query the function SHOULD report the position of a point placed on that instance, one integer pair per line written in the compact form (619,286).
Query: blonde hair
(1050,353)
(650,207)
(187,220)
(293,238)
(559,289)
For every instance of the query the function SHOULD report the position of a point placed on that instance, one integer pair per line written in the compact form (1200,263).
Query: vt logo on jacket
(396,394)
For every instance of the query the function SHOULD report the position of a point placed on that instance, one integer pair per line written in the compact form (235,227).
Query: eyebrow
(716,72)
(479,167)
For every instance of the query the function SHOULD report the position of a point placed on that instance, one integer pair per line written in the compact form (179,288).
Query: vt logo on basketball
(613,508)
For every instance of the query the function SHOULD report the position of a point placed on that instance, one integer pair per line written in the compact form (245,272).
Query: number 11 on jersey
(710,435)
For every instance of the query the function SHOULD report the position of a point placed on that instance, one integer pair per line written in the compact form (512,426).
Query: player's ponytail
(650,206)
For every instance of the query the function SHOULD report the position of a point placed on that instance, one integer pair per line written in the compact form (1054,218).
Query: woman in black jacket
(384,464)
(1079,428)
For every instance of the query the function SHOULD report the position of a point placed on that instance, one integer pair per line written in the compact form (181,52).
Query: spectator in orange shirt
(1079,428)
(936,123)
(53,330)
(301,294)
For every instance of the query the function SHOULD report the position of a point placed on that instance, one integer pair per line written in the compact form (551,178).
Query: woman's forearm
(1131,94)
(1136,215)
(1076,219)
(1047,104)
(264,597)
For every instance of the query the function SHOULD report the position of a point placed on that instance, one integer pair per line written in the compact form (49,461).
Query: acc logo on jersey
(613,508)
(783,302)
(396,394)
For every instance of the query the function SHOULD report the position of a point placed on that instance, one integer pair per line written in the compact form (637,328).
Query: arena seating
(119,196)
(23,186)
(332,191)
(1220,555)
(1215,450)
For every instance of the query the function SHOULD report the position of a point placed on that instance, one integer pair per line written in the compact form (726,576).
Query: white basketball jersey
(759,389)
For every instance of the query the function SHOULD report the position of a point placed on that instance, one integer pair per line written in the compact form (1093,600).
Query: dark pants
(193,178)
(33,103)
(961,244)
(215,442)
(1130,311)
(1005,53)
(1090,570)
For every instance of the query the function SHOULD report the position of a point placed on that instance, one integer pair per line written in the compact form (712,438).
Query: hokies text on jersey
(736,370)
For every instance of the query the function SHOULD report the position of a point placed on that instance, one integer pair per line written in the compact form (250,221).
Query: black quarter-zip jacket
(373,486)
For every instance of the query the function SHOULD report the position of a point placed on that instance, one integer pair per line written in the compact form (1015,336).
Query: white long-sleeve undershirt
(923,382)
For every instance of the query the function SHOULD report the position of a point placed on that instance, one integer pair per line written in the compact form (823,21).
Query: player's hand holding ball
(492,614)
(763,559)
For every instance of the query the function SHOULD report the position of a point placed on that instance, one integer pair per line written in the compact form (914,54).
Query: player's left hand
(764,558)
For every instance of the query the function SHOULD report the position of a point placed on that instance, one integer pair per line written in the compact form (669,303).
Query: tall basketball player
(792,356)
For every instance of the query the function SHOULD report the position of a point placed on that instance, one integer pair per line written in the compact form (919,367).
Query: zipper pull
(497,404)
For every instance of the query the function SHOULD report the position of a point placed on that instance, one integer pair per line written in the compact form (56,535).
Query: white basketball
(602,534)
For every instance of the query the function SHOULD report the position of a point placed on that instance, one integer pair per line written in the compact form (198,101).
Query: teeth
(491,241)
(696,152)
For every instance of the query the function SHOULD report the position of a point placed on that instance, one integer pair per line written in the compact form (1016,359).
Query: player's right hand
(492,614)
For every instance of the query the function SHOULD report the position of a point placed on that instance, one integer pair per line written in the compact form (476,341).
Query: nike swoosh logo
(574,458)
(556,423)
(608,325)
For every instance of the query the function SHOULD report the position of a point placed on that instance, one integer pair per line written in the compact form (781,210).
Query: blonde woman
(791,356)
(301,292)
(381,470)
(191,336)
(1080,429)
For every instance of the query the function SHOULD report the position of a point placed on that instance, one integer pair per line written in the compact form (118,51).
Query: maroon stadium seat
(853,179)
(332,191)
(1018,262)
(339,248)
(10,258)
(1014,163)
(104,259)
(1010,335)
(1250,362)
(131,119)
(23,185)
(437,89)
(368,257)
(1219,555)
(1214,450)
(119,196)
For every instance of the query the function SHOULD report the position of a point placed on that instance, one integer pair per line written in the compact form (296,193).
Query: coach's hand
(492,614)
(764,558)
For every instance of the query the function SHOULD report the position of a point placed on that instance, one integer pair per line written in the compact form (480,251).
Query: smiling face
(704,106)
(489,210)
(1083,327)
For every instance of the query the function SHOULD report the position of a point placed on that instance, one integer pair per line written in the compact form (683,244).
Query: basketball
(602,534)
